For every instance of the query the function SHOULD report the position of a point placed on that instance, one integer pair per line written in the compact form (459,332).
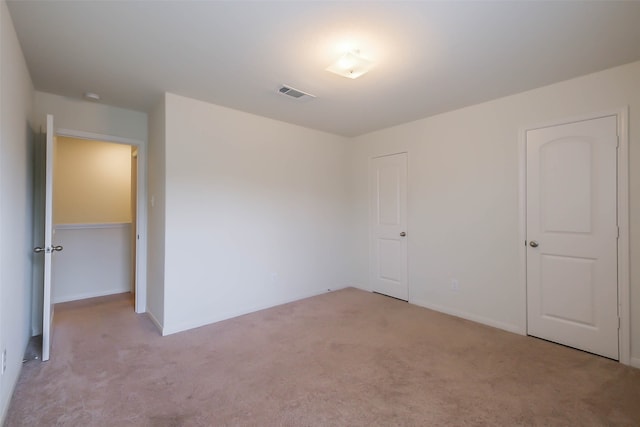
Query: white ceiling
(430,57)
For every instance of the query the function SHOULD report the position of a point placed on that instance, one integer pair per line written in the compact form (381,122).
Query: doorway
(575,233)
(122,227)
(93,219)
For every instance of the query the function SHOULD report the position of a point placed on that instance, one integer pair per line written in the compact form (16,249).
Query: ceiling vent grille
(294,93)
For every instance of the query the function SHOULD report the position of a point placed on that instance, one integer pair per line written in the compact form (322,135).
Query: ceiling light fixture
(90,96)
(351,65)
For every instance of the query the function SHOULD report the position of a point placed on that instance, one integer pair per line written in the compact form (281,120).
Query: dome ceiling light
(91,96)
(351,65)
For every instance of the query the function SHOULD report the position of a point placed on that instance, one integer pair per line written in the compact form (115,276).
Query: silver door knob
(56,248)
(402,234)
(533,244)
(38,249)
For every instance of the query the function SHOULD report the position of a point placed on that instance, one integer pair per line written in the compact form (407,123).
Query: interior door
(48,249)
(572,235)
(388,225)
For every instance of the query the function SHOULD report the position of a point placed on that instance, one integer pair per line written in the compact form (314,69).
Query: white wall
(256,213)
(91,117)
(92,182)
(96,261)
(16,141)
(94,119)
(463,195)
(156,216)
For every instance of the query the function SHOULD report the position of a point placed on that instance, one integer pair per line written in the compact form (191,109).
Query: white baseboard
(5,405)
(13,382)
(168,330)
(156,322)
(473,317)
(67,298)
(635,362)
(360,286)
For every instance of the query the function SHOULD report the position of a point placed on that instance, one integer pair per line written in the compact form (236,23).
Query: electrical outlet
(4,361)
(455,285)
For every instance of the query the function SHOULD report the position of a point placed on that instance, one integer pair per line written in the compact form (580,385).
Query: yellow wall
(92,182)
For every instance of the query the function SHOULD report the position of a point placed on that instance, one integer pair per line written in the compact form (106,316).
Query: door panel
(567,291)
(389,182)
(566,192)
(49,247)
(390,259)
(572,235)
(388,221)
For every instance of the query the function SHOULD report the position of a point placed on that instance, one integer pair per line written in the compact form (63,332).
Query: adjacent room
(93,218)
(319,213)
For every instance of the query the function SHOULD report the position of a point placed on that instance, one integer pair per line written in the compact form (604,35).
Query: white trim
(635,362)
(522,224)
(379,156)
(13,384)
(155,321)
(407,229)
(360,286)
(624,282)
(575,119)
(229,314)
(98,137)
(141,217)
(468,316)
(622,116)
(77,297)
(92,226)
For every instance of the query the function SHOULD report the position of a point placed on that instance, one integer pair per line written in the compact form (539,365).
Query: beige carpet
(347,358)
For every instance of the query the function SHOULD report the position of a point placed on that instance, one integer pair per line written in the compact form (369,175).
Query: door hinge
(618,232)
(618,323)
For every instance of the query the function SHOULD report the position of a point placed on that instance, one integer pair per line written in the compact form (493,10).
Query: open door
(48,248)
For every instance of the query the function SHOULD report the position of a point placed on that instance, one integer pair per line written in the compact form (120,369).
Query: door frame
(141,207)
(622,117)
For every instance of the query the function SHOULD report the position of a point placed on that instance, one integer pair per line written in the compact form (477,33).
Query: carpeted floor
(346,358)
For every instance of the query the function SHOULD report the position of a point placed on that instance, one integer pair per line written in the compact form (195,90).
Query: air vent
(294,93)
